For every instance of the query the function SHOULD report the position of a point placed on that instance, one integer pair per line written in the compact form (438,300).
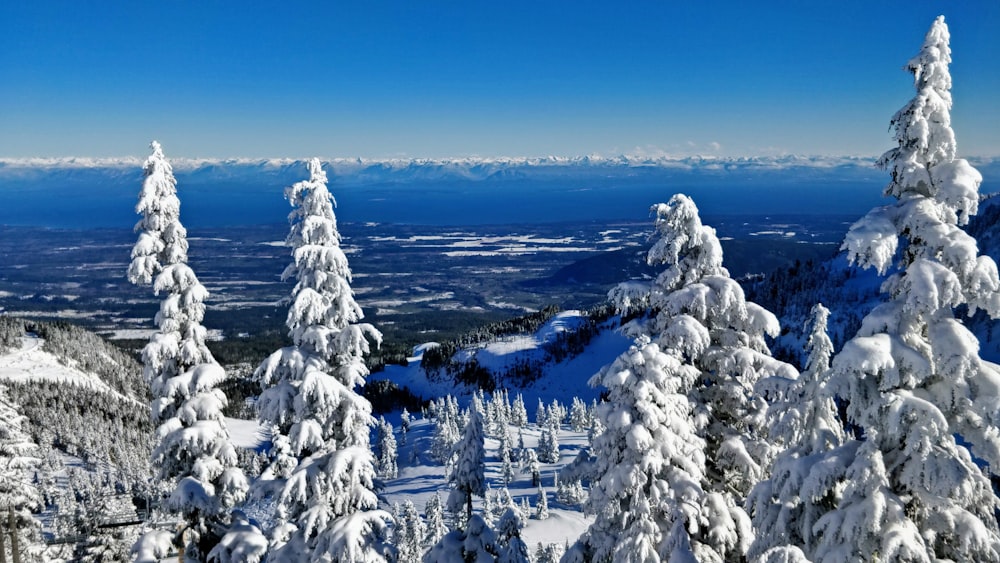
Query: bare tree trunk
(15,549)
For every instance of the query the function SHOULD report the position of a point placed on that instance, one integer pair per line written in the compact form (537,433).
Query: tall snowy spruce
(683,424)
(804,480)
(193,447)
(20,537)
(468,476)
(912,376)
(323,468)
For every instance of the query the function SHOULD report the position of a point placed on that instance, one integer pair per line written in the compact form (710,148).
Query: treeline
(79,348)
(438,358)
(791,292)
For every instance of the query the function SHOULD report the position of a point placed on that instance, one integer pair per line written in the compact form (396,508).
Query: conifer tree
(700,315)
(548,553)
(518,412)
(541,414)
(19,498)
(578,415)
(480,543)
(506,466)
(468,477)
(11,331)
(411,533)
(387,450)
(446,435)
(243,542)
(912,377)
(193,447)
(489,506)
(510,546)
(532,466)
(542,506)
(802,486)
(436,527)
(327,509)
(683,422)
(404,425)
(548,444)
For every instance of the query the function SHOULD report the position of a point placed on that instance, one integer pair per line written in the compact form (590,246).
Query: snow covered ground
(561,381)
(31,363)
(420,476)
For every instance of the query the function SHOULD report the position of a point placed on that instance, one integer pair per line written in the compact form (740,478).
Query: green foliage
(248,350)
(386,396)
(389,353)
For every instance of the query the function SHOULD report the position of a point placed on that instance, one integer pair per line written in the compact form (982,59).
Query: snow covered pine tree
(912,376)
(803,483)
(19,529)
(683,442)
(193,445)
(472,539)
(324,470)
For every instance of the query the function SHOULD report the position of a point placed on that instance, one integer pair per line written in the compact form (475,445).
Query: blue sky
(460,78)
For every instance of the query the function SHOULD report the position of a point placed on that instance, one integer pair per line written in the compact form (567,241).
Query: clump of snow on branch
(682,440)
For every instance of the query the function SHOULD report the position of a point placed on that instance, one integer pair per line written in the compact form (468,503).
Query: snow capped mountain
(364,170)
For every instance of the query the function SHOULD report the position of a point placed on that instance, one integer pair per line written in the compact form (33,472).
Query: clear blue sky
(371,78)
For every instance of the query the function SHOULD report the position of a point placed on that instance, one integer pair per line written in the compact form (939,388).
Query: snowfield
(420,476)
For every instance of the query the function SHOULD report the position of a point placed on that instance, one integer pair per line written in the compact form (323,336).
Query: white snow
(559,381)
(247,434)
(420,477)
(31,364)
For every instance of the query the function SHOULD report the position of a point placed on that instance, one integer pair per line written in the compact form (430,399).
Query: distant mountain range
(91,192)
(365,170)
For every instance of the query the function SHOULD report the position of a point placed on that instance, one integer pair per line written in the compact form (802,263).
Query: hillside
(88,412)
(537,364)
